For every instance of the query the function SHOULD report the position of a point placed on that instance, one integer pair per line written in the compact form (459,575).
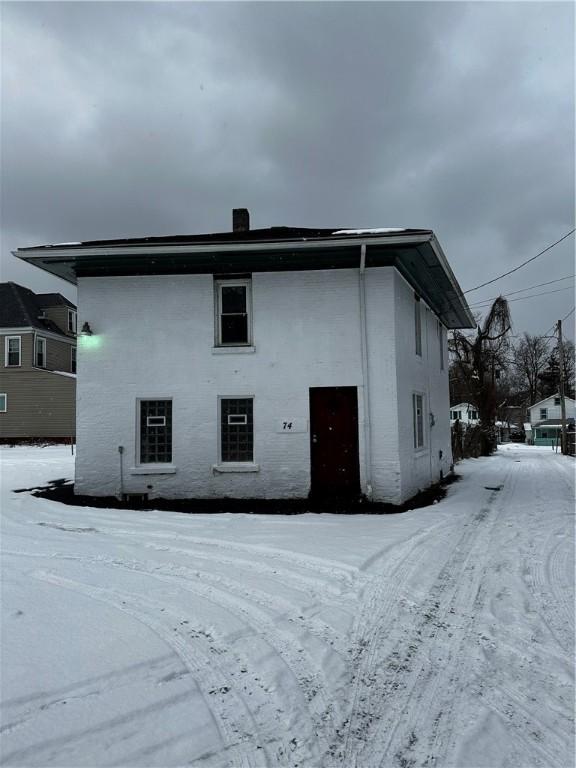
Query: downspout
(365,374)
(120,457)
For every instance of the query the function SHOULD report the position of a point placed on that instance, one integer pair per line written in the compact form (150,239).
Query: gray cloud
(142,118)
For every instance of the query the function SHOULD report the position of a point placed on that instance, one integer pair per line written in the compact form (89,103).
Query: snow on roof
(376,231)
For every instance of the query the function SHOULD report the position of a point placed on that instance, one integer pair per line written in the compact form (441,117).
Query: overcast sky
(133,119)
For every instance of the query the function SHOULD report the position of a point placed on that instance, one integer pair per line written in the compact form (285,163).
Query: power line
(521,290)
(532,296)
(488,282)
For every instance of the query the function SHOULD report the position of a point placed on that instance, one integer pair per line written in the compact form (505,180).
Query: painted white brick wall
(154,339)
(420,374)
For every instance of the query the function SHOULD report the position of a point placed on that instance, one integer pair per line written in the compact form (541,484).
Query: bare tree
(479,360)
(550,373)
(530,357)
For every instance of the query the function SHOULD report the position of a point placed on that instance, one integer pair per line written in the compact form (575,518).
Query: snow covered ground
(438,637)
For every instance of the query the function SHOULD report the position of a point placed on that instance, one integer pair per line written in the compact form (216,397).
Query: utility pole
(562,400)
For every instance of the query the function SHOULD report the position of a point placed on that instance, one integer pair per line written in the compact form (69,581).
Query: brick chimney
(240,220)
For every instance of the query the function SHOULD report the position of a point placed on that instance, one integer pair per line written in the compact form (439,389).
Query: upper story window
(441,344)
(40,352)
(556,401)
(455,415)
(418,417)
(13,351)
(472,414)
(237,429)
(72,320)
(155,431)
(543,413)
(233,312)
(418,326)
(73,359)
(3,403)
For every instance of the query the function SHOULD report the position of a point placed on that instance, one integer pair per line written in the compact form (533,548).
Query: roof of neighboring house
(415,253)
(463,405)
(553,422)
(20,307)
(54,300)
(550,397)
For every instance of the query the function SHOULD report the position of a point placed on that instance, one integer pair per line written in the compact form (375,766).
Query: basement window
(155,431)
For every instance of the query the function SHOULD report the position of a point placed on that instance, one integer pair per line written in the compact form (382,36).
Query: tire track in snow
(319,710)
(406,675)
(234,720)
(348,574)
(381,598)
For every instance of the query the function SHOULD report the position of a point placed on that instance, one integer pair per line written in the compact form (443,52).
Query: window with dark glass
(543,413)
(237,429)
(418,416)
(13,350)
(71,321)
(155,431)
(233,312)
(73,359)
(441,344)
(418,327)
(40,352)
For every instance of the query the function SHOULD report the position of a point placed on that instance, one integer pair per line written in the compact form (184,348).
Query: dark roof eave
(433,277)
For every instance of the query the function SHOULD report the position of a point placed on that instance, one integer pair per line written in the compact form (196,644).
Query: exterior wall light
(86,330)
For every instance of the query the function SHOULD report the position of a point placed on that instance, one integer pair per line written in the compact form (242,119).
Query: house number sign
(288,425)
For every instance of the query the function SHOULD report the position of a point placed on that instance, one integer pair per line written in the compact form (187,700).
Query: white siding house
(262,363)
(549,408)
(466,413)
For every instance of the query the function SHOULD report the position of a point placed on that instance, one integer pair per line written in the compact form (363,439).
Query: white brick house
(262,363)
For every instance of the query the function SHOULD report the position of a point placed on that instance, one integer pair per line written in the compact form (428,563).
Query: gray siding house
(37,365)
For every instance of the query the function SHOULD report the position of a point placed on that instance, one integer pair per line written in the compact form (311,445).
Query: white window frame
(72,321)
(559,401)
(545,412)
(7,341)
(5,396)
(231,283)
(418,326)
(39,340)
(73,359)
(417,445)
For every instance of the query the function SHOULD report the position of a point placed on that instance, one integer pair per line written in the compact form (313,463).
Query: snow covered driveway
(438,637)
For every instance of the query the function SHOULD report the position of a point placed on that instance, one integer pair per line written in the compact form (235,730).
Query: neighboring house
(545,420)
(269,363)
(37,365)
(465,413)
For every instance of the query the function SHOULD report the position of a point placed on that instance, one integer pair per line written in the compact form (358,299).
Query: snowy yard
(438,637)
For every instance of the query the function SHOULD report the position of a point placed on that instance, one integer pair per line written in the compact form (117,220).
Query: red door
(335,464)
